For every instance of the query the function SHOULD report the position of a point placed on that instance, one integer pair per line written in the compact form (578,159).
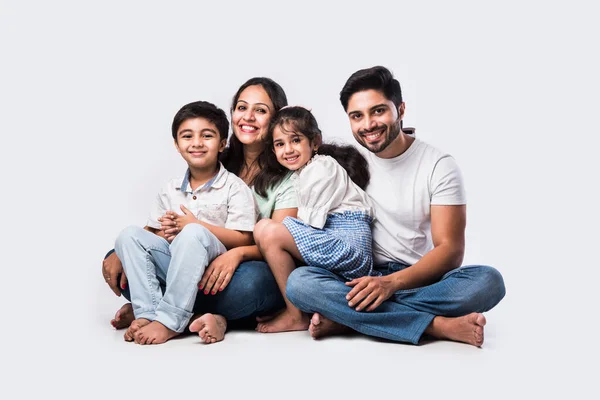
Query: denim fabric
(149,260)
(405,316)
(251,292)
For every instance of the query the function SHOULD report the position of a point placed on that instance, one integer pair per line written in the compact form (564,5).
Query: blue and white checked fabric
(343,246)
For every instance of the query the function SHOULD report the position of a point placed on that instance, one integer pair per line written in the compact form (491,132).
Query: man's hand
(111,269)
(220,271)
(372,290)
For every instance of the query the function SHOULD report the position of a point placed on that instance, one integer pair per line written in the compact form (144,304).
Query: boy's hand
(187,218)
(167,225)
(220,271)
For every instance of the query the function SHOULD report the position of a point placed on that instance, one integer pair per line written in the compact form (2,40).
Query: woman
(238,285)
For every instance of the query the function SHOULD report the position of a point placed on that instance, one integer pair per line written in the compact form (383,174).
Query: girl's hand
(220,271)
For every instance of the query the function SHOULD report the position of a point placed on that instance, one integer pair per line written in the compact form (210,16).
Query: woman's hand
(220,271)
(111,270)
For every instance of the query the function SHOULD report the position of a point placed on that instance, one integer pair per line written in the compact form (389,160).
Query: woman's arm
(221,269)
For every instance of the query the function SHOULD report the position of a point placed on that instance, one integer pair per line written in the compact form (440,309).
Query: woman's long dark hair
(233,156)
(301,120)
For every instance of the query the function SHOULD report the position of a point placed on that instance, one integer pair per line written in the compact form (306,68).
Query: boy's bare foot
(285,322)
(210,327)
(124,317)
(134,327)
(322,327)
(466,329)
(154,333)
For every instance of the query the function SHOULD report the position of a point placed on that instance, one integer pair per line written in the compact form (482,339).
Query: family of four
(368,239)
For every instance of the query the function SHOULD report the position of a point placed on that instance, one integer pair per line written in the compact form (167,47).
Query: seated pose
(212,209)
(334,215)
(418,238)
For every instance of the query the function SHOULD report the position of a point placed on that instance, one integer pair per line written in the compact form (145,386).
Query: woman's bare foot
(134,327)
(466,329)
(124,317)
(265,318)
(210,327)
(322,327)
(285,322)
(154,333)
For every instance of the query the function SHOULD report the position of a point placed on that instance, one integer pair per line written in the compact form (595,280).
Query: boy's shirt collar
(216,181)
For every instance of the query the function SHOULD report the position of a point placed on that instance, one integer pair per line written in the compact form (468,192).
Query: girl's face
(293,150)
(251,115)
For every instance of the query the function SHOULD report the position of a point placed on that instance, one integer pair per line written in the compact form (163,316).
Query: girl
(332,230)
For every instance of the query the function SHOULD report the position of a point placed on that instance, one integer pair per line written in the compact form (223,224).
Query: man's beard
(391,134)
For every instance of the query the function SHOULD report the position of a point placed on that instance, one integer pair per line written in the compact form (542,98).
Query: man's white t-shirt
(402,190)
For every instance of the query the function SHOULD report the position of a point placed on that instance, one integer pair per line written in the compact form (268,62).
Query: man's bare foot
(322,327)
(124,317)
(154,333)
(210,327)
(466,329)
(285,322)
(134,327)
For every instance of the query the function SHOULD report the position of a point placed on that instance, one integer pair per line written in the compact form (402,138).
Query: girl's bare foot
(322,327)
(285,322)
(134,327)
(124,317)
(154,333)
(210,327)
(466,329)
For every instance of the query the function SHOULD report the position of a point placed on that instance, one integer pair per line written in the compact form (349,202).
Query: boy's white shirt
(225,201)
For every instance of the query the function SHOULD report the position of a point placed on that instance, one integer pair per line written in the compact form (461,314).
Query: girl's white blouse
(323,186)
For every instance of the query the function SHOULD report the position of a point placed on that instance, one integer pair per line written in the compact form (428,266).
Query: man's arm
(448,234)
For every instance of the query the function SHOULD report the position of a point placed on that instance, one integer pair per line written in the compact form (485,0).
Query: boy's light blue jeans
(150,262)
(404,316)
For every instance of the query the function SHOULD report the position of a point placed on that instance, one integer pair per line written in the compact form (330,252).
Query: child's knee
(195,232)
(260,228)
(127,235)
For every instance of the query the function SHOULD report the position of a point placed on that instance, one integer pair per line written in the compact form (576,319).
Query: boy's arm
(229,237)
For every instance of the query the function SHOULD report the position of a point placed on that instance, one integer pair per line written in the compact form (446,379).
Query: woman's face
(251,115)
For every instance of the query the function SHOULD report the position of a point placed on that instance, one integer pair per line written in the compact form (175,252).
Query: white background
(87,96)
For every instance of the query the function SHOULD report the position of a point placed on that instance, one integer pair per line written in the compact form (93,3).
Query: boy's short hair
(376,78)
(202,109)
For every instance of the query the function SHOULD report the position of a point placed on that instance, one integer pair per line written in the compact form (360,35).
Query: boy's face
(199,143)
(375,120)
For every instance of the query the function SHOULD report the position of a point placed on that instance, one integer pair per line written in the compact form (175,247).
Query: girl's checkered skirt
(343,246)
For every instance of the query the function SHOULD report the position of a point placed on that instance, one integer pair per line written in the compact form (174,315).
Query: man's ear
(222,145)
(401,109)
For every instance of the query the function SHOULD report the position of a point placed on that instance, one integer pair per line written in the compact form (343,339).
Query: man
(418,237)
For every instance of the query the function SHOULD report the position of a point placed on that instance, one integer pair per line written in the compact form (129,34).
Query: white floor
(87,94)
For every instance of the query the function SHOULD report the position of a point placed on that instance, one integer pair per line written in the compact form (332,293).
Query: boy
(213,211)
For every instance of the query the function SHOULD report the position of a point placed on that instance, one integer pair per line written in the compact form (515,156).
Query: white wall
(88,93)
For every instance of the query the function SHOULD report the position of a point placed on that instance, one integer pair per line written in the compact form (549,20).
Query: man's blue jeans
(404,316)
